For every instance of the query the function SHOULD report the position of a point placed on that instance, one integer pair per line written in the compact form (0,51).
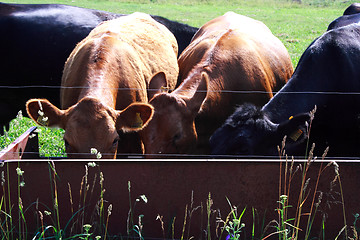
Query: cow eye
(176,138)
(115,142)
(66,143)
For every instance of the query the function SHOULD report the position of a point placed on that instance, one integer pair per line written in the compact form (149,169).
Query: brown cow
(111,69)
(229,53)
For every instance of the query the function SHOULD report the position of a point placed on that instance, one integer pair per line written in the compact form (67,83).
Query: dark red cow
(229,53)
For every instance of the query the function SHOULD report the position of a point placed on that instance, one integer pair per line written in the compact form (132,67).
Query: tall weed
(288,228)
(82,225)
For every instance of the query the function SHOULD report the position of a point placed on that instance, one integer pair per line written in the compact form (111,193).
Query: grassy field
(295,24)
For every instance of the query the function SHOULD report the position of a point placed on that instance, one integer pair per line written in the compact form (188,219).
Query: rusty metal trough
(178,194)
(20,147)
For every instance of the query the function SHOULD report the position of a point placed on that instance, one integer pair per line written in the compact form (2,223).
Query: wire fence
(222,91)
(194,158)
(203,157)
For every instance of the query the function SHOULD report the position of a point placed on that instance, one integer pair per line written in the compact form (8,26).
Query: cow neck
(101,88)
(301,92)
(109,68)
(294,98)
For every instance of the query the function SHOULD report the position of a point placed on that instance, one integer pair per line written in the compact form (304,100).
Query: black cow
(351,15)
(344,20)
(36,40)
(327,76)
(352,9)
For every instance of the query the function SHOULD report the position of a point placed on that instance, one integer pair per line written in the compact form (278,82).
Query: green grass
(51,142)
(296,25)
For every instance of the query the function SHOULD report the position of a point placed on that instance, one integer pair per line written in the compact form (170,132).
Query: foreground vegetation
(294,217)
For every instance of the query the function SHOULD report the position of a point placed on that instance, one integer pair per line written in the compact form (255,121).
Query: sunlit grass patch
(51,143)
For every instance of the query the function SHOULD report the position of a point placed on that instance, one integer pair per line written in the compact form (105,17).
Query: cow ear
(296,128)
(195,102)
(157,83)
(135,117)
(44,113)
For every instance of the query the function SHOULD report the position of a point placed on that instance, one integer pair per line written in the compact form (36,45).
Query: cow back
(244,60)
(133,46)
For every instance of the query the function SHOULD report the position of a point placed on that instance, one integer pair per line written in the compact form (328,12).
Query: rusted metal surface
(178,192)
(172,187)
(20,149)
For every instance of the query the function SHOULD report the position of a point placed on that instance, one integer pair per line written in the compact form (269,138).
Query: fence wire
(208,157)
(198,158)
(222,91)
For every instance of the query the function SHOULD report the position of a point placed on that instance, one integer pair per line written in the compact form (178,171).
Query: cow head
(172,128)
(250,132)
(90,124)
